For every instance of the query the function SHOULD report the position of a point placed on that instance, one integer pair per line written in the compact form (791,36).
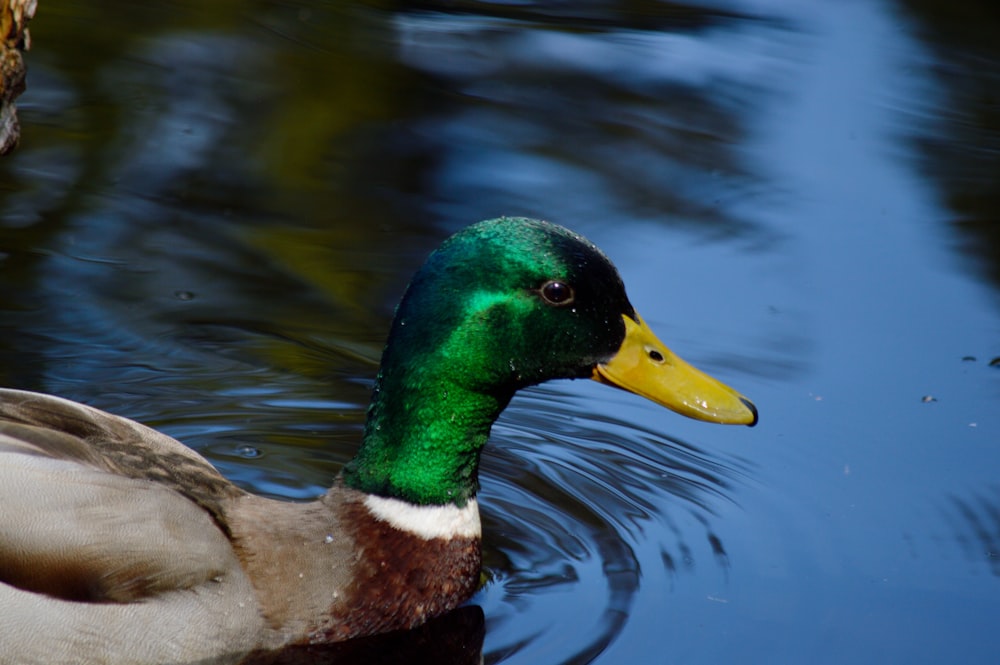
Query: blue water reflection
(207,225)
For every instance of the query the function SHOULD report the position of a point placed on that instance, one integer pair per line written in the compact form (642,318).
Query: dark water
(216,205)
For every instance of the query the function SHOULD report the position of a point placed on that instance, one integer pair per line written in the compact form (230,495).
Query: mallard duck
(119,544)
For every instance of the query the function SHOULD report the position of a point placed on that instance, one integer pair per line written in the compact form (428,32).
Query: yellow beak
(645,366)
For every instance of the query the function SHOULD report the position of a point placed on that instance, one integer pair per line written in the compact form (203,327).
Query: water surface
(214,209)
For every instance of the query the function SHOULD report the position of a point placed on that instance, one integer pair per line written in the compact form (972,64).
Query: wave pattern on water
(579,505)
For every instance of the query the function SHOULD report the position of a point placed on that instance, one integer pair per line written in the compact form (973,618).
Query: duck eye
(557,293)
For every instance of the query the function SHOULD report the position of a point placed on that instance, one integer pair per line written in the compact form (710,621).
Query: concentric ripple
(584,514)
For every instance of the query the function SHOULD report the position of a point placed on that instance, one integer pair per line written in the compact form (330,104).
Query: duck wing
(99,508)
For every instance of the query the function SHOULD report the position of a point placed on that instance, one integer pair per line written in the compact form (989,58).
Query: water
(214,210)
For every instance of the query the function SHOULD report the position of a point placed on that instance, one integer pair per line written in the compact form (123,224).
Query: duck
(120,544)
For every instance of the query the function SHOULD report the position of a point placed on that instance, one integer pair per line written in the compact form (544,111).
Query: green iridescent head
(501,305)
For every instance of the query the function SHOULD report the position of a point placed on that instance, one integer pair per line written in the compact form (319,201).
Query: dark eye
(557,293)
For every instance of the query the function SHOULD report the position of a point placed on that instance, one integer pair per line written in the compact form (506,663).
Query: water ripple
(583,514)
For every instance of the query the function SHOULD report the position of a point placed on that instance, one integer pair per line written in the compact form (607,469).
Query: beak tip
(753,410)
